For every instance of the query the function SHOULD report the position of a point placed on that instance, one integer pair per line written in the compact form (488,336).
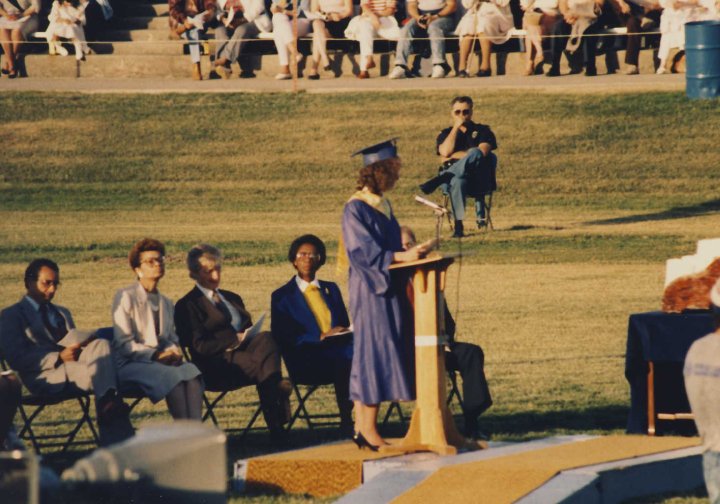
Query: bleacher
(137,44)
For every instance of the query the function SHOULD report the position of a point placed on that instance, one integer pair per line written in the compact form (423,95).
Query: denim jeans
(436,32)
(457,187)
(711,470)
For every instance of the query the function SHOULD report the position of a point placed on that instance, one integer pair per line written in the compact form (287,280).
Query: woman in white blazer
(144,342)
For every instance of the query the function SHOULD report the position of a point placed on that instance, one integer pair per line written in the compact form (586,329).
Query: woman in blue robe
(371,235)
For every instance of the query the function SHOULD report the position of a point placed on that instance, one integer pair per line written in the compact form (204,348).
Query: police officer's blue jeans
(437,32)
(711,470)
(457,187)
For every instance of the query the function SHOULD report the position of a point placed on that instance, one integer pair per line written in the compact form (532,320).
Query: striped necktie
(220,305)
(318,307)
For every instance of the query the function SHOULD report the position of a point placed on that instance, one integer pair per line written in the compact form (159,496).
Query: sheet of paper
(75,336)
(254,329)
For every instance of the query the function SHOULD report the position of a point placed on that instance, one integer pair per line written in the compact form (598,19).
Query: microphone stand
(439,212)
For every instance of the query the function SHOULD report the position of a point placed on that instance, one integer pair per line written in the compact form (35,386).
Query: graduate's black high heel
(363,443)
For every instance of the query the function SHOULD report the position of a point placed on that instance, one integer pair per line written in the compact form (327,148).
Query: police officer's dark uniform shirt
(472,137)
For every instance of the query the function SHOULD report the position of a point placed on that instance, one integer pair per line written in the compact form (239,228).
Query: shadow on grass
(524,426)
(706,208)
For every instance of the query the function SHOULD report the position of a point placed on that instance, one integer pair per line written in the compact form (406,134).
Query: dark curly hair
(379,176)
(310,239)
(144,245)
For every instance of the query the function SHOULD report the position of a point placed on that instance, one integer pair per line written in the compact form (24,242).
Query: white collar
(303,285)
(207,292)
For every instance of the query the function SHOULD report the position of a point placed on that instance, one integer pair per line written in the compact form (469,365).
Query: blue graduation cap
(378,152)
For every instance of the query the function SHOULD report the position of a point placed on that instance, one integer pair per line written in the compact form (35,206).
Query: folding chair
(134,394)
(394,406)
(481,185)
(301,412)
(41,403)
(454,389)
(220,393)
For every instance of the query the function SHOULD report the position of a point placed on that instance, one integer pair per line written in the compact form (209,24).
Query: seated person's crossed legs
(464,147)
(30,335)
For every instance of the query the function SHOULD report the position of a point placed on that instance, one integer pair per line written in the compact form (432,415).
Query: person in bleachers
(30,332)
(672,28)
(285,40)
(238,21)
(308,321)
(377,19)
(539,19)
(431,19)
(466,151)
(190,19)
(145,345)
(67,19)
(578,28)
(330,19)
(18,21)
(466,358)
(212,323)
(488,22)
(629,13)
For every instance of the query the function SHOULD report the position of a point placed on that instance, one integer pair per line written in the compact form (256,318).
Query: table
(658,340)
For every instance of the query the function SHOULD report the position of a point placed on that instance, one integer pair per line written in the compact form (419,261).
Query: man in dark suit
(212,323)
(307,315)
(29,334)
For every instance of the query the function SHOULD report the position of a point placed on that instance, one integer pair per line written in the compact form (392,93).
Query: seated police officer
(469,164)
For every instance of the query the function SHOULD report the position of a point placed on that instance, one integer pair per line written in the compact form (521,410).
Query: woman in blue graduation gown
(381,370)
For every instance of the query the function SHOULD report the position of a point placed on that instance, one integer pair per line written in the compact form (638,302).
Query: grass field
(596,192)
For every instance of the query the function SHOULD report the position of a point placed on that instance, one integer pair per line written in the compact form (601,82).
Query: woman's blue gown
(381,370)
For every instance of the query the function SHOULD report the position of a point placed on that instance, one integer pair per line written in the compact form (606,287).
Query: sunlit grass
(596,192)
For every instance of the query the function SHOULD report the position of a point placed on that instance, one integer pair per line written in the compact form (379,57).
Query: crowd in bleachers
(573,27)
(548,28)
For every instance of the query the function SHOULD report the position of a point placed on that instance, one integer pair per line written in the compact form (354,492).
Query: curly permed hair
(144,245)
(379,176)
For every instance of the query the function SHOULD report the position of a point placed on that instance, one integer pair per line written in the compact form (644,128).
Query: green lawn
(596,192)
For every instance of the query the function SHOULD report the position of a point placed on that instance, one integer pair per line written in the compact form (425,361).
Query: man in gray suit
(29,334)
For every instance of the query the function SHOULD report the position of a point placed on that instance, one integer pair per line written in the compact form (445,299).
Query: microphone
(437,208)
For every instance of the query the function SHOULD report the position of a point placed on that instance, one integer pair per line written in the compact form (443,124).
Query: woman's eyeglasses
(154,261)
(465,112)
(307,255)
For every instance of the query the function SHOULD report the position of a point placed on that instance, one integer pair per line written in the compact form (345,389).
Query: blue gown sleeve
(365,247)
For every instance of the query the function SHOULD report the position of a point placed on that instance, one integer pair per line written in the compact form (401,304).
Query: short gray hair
(202,250)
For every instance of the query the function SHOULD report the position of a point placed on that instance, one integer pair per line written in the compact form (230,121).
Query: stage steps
(570,469)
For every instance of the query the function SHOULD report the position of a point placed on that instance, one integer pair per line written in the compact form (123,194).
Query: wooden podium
(432,427)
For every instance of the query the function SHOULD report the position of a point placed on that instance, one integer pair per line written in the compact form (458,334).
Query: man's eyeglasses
(306,255)
(154,261)
(465,112)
